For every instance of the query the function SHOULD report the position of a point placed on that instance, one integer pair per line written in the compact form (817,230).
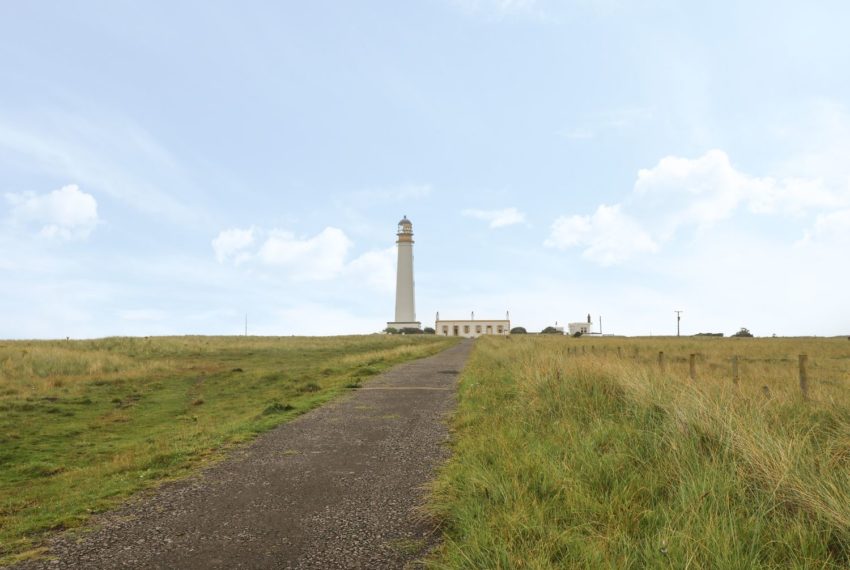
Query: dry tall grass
(572,453)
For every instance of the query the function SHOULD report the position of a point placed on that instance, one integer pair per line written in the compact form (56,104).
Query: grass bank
(83,424)
(584,453)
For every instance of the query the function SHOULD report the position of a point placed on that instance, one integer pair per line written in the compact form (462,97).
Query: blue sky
(168,167)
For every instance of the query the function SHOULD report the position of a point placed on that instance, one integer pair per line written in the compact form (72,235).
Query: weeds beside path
(568,458)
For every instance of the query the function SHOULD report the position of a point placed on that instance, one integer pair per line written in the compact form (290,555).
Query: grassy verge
(567,455)
(83,424)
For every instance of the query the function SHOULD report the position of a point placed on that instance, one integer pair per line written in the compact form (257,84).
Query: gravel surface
(338,487)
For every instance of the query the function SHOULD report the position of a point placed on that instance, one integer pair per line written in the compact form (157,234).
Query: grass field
(83,424)
(567,455)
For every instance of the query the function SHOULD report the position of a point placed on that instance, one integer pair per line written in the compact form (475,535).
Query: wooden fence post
(692,367)
(804,377)
(661,360)
(735,370)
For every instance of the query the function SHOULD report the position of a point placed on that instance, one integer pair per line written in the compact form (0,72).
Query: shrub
(391,330)
(519,330)
(551,330)
(429,330)
(411,330)
(744,332)
(277,408)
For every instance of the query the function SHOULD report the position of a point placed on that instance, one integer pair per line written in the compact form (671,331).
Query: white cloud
(795,196)
(232,244)
(317,258)
(709,189)
(831,228)
(67,213)
(377,268)
(697,192)
(106,153)
(681,193)
(321,257)
(497,218)
(608,236)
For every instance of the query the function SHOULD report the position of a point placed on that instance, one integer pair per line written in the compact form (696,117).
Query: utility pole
(246,324)
(678,320)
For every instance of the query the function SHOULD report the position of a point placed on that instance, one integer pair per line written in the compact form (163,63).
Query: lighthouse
(405,305)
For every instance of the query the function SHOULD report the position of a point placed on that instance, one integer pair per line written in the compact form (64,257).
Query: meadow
(84,424)
(586,453)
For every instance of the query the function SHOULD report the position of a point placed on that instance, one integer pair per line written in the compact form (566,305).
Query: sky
(171,167)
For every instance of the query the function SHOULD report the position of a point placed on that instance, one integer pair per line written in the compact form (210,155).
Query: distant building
(581,327)
(473,328)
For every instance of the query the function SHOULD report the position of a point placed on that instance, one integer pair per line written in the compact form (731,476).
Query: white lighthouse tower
(405,306)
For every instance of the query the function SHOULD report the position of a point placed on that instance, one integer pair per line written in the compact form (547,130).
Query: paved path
(336,488)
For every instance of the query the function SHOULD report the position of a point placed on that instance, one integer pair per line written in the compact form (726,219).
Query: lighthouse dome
(405,222)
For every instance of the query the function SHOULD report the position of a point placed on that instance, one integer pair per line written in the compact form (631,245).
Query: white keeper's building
(581,327)
(472,328)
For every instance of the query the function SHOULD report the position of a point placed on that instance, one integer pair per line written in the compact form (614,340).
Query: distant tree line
(744,332)
(409,330)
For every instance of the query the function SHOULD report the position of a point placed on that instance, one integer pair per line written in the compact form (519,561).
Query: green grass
(84,424)
(582,459)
